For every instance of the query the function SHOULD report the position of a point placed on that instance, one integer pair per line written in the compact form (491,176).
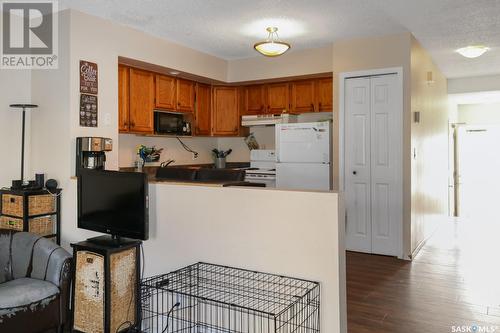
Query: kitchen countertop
(151,172)
(218,183)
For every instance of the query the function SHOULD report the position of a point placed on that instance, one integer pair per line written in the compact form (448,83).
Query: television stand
(106,294)
(112,241)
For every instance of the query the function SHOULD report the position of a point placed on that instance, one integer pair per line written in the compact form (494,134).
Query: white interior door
(478,165)
(373,164)
(357,165)
(386,165)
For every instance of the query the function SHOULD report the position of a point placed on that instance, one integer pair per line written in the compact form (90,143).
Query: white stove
(262,167)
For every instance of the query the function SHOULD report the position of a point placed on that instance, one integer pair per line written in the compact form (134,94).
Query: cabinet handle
(312,105)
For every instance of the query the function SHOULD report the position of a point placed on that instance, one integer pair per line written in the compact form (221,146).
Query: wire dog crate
(208,298)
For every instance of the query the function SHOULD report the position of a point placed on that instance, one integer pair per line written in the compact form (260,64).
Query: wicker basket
(11,223)
(12,205)
(42,226)
(41,204)
(37,205)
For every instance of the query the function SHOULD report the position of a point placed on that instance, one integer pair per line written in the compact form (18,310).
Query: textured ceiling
(229,28)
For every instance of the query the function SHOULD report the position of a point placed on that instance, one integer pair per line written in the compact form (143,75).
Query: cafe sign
(88,77)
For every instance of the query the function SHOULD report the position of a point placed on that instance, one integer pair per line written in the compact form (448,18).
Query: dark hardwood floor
(453,281)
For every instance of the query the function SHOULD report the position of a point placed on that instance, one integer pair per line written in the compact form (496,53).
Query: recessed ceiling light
(272,46)
(473,51)
(174,73)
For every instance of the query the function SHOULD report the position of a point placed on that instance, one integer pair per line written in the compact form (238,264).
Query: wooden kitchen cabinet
(165,92)
(278,97)
(185,95)
(255,97)
(123,98)
(324,94)
(225,113)
(142,96)
(303,97)
(203,114)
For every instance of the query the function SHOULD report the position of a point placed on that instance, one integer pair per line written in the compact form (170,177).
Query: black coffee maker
(91,153)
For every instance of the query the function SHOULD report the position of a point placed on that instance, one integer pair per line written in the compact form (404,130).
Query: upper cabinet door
(278,98)
(123,98)
(225,113)
(185,95)
(165,92)
(325,94)
(203,115)
(255,99)
(142,96)
(303,96)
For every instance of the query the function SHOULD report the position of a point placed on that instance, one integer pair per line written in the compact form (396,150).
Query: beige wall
(474,84)
(424,187)
(292,63)
(429,143)
(14,87)
(365,54)
(375,53)
(479,114)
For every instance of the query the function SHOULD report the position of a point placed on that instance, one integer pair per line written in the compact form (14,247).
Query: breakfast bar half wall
(291,233)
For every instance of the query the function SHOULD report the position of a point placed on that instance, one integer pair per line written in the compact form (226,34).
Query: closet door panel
(357,165)
(386,165)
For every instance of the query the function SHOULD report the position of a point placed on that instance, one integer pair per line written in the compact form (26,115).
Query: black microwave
(171,123)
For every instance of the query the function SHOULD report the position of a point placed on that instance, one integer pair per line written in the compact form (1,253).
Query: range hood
(268,119)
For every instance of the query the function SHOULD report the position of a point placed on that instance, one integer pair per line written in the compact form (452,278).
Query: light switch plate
(107,119)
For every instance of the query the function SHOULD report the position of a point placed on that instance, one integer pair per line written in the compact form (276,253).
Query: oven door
(168,123)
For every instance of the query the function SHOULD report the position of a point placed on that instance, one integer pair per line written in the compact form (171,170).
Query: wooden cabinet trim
(123,98)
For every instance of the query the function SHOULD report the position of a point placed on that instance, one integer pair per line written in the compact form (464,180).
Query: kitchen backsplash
(172,149)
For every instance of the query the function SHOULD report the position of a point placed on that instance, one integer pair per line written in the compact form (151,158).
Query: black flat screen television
(114,202)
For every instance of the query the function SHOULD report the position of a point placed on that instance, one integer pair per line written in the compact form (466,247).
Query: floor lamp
(23,107)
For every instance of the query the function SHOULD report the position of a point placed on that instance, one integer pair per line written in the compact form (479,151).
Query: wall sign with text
(88,110)
(88,77)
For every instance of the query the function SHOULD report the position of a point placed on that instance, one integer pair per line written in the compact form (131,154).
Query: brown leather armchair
(35,283)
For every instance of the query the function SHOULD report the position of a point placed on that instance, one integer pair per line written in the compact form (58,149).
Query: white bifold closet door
(373,164)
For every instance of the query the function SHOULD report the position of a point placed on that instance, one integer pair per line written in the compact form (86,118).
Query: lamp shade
(272,46)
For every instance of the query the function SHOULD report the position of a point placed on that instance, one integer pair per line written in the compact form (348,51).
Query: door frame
(398,71)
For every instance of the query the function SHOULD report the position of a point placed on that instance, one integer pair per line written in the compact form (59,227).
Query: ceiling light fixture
(272,46)
(473,51)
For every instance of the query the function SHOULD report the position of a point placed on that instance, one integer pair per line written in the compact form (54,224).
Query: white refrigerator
(303,156)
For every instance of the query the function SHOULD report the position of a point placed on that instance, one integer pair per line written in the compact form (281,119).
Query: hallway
(454,281)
